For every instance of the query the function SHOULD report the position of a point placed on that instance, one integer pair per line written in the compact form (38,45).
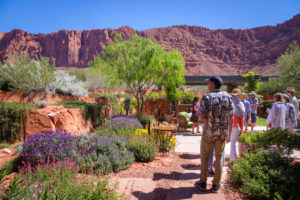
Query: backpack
(218,121)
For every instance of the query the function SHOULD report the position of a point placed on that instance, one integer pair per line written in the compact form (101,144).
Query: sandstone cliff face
(206,52)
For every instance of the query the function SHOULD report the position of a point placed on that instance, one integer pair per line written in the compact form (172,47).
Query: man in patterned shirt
(253,108)
(216,111)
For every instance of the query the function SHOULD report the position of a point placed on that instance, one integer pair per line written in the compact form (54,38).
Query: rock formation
(206,52)
(57,117)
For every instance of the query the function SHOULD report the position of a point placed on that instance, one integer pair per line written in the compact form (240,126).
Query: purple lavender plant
(49,145)
(120,122)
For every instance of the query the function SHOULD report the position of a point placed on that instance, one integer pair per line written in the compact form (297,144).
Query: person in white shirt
(277,114)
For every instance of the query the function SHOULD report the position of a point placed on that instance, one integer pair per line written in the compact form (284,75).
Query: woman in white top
(276,117)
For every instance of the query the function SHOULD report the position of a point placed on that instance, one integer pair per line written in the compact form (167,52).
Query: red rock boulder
(57,117)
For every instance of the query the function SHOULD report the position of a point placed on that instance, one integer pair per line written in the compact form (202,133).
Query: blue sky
(45,16)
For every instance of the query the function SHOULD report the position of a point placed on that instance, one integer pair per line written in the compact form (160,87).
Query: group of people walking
(225,116)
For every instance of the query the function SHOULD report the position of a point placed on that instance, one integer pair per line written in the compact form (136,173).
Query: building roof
(227,80)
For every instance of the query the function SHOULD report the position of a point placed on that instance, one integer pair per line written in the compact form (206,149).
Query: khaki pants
(206,145)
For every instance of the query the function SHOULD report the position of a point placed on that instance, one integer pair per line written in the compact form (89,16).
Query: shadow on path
(191,166)
(176,193)
(190,156)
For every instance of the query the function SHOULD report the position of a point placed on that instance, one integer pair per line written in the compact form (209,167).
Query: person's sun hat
(290,89)
(236,92)
(252,93)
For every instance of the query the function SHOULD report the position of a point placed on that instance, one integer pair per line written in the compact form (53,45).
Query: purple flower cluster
(97,152)
(120,122)
(51,144)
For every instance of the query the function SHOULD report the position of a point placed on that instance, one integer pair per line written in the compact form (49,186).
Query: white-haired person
(277,114)
(290,118)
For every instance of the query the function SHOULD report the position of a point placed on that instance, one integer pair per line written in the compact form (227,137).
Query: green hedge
(91,111)
(11,119)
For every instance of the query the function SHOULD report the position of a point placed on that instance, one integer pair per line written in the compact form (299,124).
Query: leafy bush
(80,74)
(66,84)
(57,180)
(12,117)
(267,176)
(4,85)
(185,97)
(119,122)
(28,75)
(144,119)
(252,81)
(272,86)
(90,111)
(103,153)
(283,139)
(52,144)
(143,147)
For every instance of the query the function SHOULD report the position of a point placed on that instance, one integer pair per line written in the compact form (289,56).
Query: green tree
(252,81)
(141,64)
(289,64)
(27,75)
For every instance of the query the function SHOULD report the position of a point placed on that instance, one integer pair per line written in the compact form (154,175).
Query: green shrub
(58,180)
(29,75)
(4,145)
(267,176)
(143,147)
(252,80)
(144,119)
(283,139)
(185,97)
(4,85)
(90,111)
(80,74)
(12,117)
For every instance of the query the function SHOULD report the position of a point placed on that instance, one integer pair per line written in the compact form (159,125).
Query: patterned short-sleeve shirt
(217,108)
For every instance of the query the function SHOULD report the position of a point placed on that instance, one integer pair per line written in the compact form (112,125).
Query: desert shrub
(144,119)
(57,180)
(267,176)
(119,122)
(42,103)
(103,153)
(49,145)
(66,84)
(143,147)
(80,74)
(28,75)
(12,117)
(90,111)
(126,133)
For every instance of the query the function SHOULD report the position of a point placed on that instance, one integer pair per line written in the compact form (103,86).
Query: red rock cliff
(206,52)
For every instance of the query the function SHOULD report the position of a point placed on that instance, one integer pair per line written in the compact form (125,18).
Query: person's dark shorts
(194,118)
(253,118)
(246,119)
